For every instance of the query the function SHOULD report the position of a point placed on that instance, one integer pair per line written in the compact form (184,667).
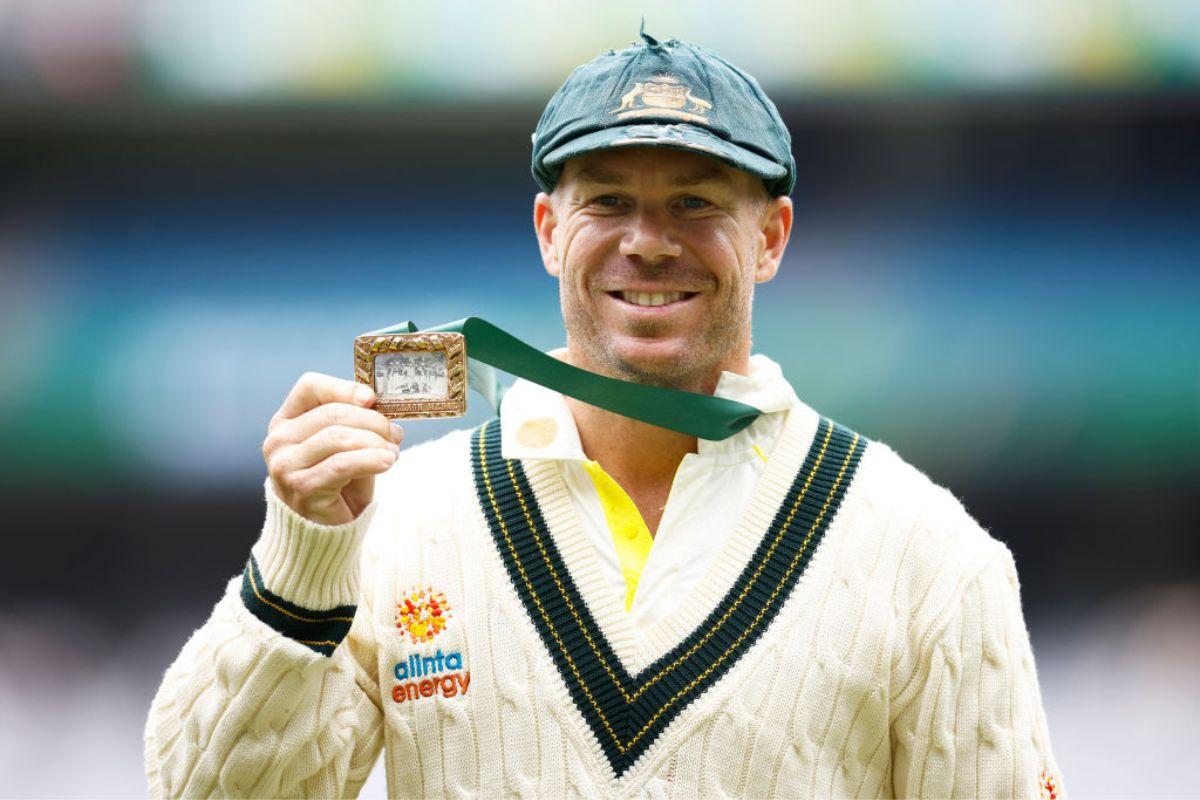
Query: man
(568,601)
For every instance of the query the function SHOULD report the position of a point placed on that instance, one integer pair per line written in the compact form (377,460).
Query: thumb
(357,494)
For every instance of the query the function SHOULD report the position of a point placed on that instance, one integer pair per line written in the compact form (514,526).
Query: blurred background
(995,269)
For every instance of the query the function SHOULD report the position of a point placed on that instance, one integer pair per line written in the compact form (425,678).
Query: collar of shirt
(537,424)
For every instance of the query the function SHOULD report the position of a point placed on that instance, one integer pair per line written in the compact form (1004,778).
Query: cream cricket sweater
(857,635)
(709,491)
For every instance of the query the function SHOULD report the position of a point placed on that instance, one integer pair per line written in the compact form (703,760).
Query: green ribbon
(699,415)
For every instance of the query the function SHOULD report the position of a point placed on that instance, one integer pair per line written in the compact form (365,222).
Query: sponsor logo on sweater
(427,676)
(1049,786)
(422,613)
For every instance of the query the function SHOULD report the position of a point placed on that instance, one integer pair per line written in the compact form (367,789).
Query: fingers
(315,389)
(311,492)
(325,443)
(292,431)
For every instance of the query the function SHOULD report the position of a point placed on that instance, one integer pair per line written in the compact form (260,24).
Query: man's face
(657,252)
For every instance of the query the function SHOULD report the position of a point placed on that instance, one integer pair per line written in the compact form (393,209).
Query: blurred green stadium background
(995,270)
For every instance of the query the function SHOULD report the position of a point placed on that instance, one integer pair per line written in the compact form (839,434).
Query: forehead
(653,165)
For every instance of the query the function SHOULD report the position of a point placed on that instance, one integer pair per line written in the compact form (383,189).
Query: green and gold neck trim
(627,712)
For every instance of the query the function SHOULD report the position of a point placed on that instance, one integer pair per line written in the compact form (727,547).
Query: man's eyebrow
(713,175)
(594,174)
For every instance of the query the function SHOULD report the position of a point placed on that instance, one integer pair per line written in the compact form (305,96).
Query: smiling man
(657,252)
(571,601)
(660,253)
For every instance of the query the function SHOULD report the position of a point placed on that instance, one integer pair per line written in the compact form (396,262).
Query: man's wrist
(307,563)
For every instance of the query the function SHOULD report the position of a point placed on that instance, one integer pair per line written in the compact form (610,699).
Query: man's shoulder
(926,523)
(432,474)
(427,491)
(430,462)
(926,548)
(448,446)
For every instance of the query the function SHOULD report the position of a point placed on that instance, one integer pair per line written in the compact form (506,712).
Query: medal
(424,374)
(414,374)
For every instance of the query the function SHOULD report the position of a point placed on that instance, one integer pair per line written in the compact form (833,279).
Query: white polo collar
(537,423)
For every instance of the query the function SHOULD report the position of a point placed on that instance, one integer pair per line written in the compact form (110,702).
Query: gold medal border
(367,347)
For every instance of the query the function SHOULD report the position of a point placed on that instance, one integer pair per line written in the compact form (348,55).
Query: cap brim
(674,136)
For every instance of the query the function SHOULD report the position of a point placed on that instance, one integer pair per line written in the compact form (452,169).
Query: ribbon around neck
(699,415)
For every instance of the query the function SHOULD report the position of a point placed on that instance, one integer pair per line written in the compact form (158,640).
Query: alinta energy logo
(426,676)
(422,613)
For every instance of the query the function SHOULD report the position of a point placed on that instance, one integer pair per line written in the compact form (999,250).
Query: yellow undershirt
(630,535)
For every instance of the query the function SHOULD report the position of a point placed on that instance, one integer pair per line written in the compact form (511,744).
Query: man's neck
(640,457)
(643,452)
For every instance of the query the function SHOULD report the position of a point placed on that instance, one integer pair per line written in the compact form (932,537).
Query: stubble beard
(699,364)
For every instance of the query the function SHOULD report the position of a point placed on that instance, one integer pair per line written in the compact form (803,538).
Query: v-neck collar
(628,684)
(636,647)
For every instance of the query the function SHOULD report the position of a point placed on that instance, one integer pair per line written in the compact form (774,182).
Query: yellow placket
(630,535)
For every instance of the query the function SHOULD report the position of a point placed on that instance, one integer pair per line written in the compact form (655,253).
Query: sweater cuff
(303,577)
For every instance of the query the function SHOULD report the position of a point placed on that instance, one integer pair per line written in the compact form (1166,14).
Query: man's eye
(607,201)
(694,203)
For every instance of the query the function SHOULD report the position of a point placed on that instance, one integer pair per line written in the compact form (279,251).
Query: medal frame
(454,404)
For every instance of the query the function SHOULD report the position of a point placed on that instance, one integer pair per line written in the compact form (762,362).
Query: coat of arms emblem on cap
(664,95)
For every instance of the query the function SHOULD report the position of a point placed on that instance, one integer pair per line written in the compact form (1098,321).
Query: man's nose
(650,237)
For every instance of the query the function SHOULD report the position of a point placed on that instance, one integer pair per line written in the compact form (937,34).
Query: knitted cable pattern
(897,666)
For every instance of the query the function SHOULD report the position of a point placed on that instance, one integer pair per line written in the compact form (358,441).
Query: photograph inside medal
(994,270)
(414,376)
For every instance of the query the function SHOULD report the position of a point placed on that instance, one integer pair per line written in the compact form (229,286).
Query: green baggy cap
(665,94)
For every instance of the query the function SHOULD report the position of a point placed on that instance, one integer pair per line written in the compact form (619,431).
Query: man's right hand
(324,447)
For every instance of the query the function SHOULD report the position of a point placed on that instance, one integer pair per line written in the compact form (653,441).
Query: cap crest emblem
(663,96)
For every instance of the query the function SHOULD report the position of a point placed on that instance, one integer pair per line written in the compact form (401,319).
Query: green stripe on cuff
(321,631)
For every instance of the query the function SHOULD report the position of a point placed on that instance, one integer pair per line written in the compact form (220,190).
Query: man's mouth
(652,299)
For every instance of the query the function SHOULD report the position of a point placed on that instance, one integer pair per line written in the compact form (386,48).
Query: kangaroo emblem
(664,95)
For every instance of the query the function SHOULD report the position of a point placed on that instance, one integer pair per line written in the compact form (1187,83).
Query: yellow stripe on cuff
(630,535)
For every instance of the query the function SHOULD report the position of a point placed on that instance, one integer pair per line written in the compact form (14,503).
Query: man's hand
(325,445)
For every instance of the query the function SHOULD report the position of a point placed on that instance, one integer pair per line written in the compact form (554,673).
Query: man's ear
(544,223)
(774,231)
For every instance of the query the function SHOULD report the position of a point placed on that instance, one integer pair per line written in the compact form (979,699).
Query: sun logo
(1049,786)
(422,613)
